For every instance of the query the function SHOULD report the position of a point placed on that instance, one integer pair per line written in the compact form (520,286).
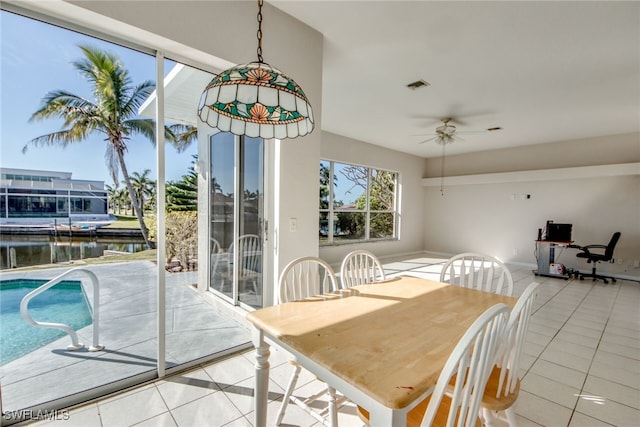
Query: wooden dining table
(382,345)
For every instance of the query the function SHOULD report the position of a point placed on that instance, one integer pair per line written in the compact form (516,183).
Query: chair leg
(255,287)
(488,417)
(511,417)
(287,394)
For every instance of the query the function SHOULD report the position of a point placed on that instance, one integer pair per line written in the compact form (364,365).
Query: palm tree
(112,194)
(112,113)
(124,201)
(150,202)
(118,198)
(142,186)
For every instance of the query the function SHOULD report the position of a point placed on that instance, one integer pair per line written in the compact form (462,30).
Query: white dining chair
(249,260)
(360,267)
(458,392)
(478,271)
(503,385)
(302,278)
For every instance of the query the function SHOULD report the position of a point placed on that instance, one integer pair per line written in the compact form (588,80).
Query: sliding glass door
(237,219)
(133,224)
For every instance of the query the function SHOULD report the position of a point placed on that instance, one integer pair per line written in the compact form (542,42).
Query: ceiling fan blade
(428,140)
(456,121)
(427,118)
(471,131)
(459,115)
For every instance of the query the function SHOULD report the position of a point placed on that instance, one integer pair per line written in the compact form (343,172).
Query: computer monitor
(558,232)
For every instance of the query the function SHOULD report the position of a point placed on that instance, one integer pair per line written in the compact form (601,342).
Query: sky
(35,59)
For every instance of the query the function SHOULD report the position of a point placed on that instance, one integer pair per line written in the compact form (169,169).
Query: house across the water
(39,198)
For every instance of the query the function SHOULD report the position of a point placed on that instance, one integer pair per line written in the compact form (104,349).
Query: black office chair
(597,257)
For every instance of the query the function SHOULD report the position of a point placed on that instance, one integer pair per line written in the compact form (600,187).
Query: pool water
(63,303)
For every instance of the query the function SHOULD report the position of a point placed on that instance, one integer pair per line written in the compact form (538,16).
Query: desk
(382,345)
(546,256)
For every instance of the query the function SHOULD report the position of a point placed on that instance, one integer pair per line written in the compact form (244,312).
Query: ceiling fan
(446,134)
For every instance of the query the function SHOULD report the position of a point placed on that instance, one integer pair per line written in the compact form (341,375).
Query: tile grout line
(611,310)
(557,332)
(593,286)
(155,384)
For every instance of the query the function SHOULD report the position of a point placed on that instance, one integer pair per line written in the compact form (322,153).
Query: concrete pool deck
(195,329)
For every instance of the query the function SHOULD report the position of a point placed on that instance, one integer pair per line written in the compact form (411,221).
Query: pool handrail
(75,344)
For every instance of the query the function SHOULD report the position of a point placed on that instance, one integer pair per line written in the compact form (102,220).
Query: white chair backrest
(215,256)
(515,334)
(305,277)
(360,267)
(249,254)
(471,361)
(478,271)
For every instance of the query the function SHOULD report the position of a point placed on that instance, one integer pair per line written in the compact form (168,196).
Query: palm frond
(59,104)
(111,161)
(138,96)
(145,127)
(61,138)
(182,136)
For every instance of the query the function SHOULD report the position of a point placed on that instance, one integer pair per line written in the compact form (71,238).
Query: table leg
(262,378)
(333,407)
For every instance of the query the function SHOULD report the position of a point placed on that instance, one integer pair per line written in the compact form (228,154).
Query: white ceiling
(543,71)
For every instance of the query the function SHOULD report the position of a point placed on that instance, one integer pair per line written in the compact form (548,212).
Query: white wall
(484,218)
(411,169)
(604,150)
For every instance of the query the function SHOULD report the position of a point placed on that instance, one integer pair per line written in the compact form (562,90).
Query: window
(357,203)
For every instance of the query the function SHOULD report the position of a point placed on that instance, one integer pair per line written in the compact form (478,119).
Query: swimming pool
(63,303)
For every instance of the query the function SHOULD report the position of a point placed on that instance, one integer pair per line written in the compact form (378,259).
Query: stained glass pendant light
(256,100)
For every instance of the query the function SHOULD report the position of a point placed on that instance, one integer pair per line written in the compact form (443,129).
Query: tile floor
(581,363)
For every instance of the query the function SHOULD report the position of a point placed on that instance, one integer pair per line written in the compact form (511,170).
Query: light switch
(293,225)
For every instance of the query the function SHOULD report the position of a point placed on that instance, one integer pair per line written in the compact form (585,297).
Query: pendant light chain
(442,171)
(260,32)
(256,100)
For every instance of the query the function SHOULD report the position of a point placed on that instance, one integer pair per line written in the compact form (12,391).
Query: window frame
(331,211)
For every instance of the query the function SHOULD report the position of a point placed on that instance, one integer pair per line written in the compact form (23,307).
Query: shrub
(181,240)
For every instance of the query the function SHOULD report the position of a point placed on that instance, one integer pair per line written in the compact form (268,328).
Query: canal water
(28,250)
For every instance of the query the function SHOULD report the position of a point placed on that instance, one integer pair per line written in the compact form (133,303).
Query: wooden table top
(390,339)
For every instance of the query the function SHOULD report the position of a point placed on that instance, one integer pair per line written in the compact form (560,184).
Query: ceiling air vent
(418,84)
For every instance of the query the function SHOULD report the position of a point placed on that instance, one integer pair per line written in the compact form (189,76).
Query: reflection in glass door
(237,218)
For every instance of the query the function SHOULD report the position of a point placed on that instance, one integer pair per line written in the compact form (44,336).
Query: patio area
(195,329)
